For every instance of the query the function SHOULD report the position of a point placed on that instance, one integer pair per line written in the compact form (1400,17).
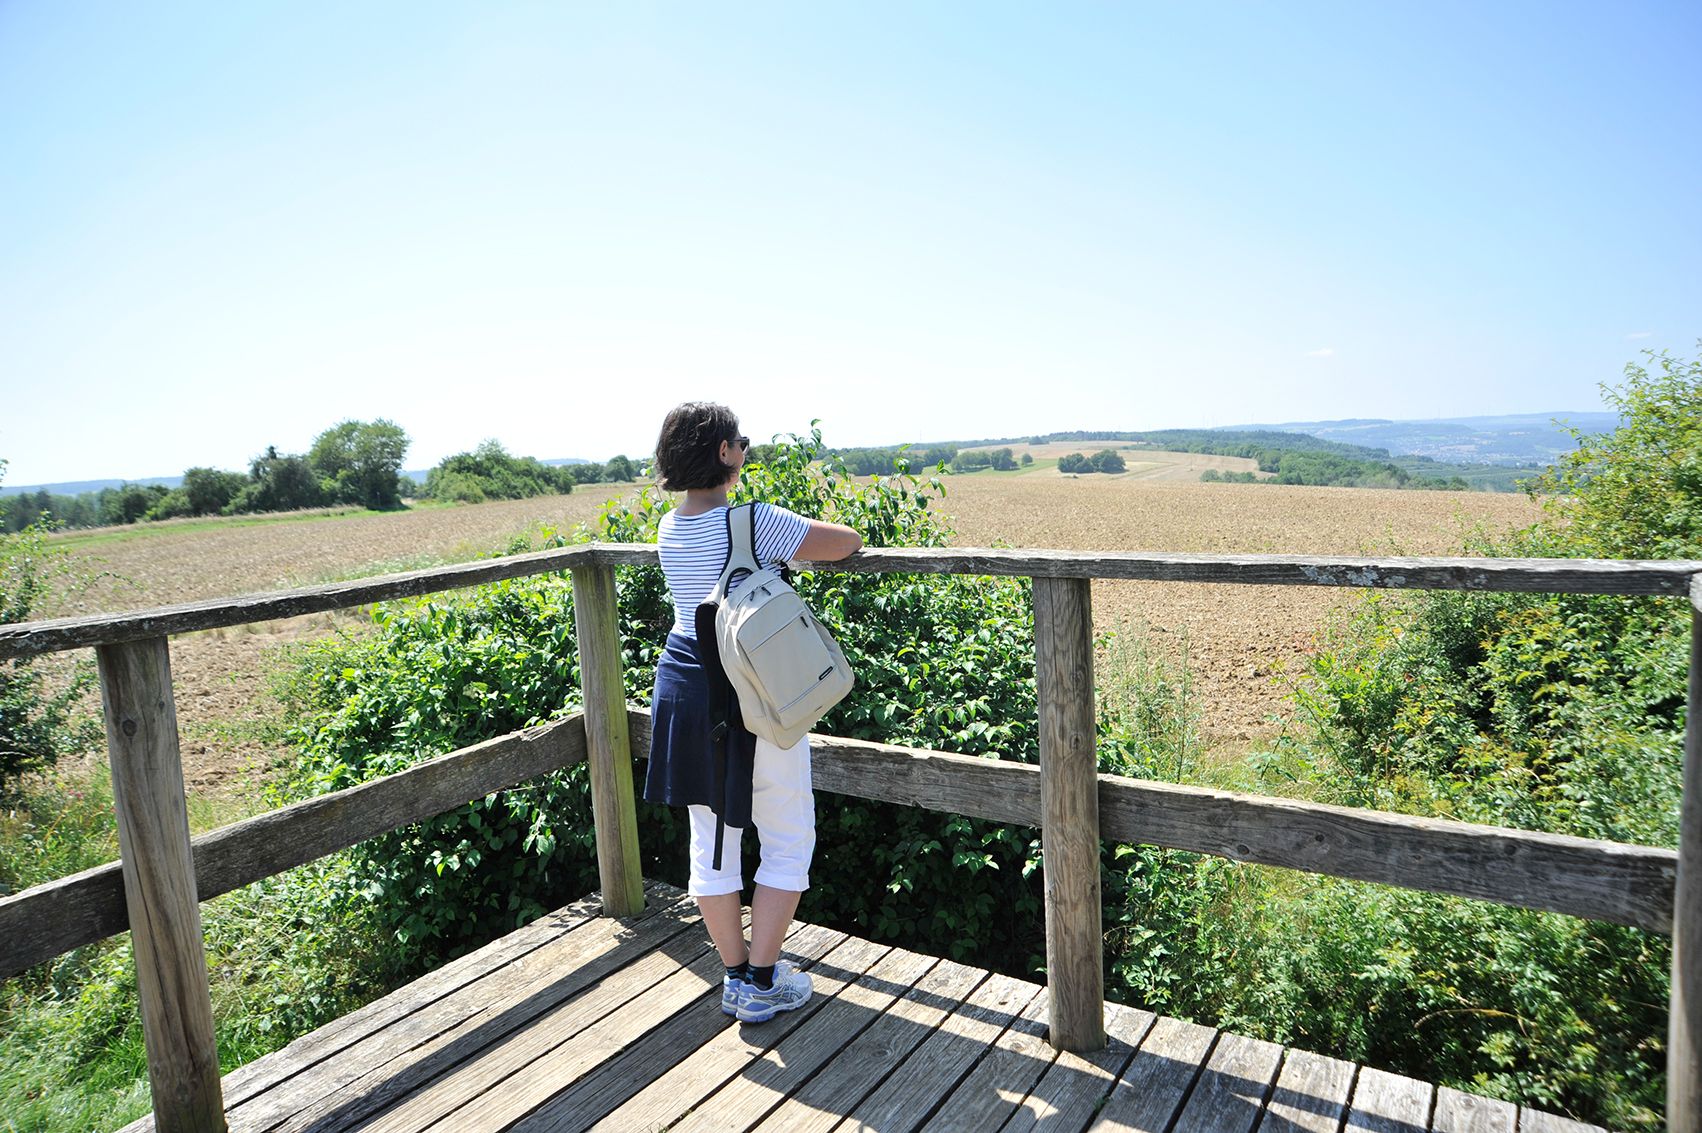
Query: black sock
(739,972)
(763,976)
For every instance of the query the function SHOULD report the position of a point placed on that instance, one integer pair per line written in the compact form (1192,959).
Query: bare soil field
(228,725)
(1239,640)
(1143,463)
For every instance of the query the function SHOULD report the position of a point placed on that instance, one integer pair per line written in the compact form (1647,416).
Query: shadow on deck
(578,1021)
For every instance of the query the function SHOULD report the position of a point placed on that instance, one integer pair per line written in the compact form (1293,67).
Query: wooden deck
(579,1021)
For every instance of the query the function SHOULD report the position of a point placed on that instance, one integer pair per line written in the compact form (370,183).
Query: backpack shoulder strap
(741,548)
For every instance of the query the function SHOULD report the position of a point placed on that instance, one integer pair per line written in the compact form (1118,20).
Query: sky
(228,226)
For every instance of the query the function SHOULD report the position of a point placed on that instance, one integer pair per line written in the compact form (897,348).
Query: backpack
(784,668)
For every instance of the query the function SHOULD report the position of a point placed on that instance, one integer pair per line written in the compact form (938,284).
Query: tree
(1027,459)
(209,489)
(277,482)
(619,468)
(360,462)
(1074,463)
(1108,461)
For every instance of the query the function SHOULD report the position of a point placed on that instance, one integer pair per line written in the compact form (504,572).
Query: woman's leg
(784,813)
(717,890)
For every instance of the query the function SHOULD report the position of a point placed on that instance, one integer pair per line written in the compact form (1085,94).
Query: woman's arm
(826,542)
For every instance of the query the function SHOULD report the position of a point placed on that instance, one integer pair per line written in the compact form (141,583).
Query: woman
(700,453)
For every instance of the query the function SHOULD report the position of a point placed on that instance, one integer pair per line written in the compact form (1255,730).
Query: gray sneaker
(791,991)
(730,989)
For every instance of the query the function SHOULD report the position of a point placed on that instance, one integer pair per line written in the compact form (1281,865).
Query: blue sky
(224,226)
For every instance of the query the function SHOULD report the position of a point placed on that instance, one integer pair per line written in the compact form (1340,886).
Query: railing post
(1684,1029)
(1069,793)
(607,744)
(159,886)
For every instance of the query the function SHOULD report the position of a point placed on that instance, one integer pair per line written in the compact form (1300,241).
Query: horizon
(232,227)
(7,488)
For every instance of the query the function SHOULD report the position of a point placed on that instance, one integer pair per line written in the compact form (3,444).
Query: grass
(107,535)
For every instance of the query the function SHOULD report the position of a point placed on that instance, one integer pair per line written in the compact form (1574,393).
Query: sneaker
(791,991)
(730,988)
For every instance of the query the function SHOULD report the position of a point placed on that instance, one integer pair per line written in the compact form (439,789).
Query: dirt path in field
(1240,641)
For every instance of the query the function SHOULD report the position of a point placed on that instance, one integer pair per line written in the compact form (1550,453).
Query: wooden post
(1069,805)
(159,886)
(1684,1029)
(607,746)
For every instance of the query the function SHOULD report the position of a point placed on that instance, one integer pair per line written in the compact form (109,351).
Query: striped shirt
(693,549)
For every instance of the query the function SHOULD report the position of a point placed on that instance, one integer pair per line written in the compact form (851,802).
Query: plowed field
(1238,639)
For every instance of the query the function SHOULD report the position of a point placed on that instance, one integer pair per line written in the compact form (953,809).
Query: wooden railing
(163,875)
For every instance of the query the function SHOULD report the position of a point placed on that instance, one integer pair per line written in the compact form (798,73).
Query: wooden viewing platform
(580,1021)
(605,1012)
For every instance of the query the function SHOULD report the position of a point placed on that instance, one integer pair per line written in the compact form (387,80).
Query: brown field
(1143,463)
(1239,639)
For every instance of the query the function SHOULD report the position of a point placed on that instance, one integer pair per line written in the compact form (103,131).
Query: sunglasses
(744,443)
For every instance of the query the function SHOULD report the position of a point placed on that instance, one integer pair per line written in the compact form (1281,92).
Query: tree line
(353,463)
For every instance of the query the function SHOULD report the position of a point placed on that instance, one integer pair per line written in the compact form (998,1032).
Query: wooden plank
(1458,1112)
(566,1049)
(731,1081)
(597,622)
(1389,1103)
(1559,576)
(23,639)
(1310,1096)
(1015,1062)
(47,920)
(1684,1017)
(1152,1088)
(1596,880)
(1074,1088)
(1536,1121)
(253,1078)
(366,1075)
(844,1082)
(1069,807)
(159,886)
(1582,877)
(1230,1094)
(579,1041)
(910,1094)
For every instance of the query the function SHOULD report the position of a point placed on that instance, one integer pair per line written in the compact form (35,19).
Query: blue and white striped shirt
(693,549)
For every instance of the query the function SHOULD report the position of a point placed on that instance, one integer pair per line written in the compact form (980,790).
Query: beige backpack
(786,670)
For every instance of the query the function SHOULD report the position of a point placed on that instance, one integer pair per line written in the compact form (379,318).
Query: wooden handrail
(1557,576)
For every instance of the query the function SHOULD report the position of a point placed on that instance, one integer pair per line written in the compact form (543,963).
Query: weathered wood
(1582,877)
(1684,1026)
(252,1079)
(597,621)
(1004,1077)
(1535,1121)
(46,920)
(1389,1103)
(1075,1086)
(1560,576)
(24,639)
(1310,1096)
(1468,1113)
(1157,1080)
(387,1064)
(159,886)
(843,1083)
(1230,1095)
(750,1069)
(912,1091)
(1069,806)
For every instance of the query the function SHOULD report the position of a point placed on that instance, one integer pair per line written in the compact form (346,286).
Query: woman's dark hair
(688,453)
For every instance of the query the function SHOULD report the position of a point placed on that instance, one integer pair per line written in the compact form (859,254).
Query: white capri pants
(783,810)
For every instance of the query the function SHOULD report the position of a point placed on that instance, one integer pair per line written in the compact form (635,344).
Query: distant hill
(1513,439)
